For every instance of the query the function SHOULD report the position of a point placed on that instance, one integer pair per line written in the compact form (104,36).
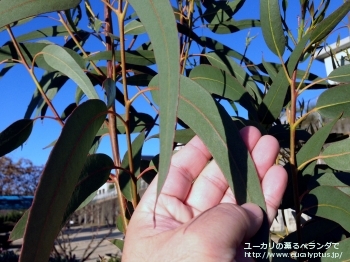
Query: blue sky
(17,87)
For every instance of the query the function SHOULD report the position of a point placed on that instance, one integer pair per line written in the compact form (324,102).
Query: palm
(194,187)
(182,199)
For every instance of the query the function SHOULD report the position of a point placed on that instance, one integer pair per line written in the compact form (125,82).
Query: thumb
(222,229)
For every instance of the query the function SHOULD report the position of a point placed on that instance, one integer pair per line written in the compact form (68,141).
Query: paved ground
(82,240)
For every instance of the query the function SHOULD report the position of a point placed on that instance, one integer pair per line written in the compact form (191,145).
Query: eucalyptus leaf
(327,25)
(333,102)
(272,104)
(231,26)
(339,180)
(159,21)
(12,11)
(18,230)
(51,31)
(125,179)
(221,83)
(118,243)
(209,120)
(94,174)
(271,26)
(51,83)
(15,135)
(30,50)
(229,65)
(68,110)
(110,87)
(220,11)
(61,60)
(313,147)
(182,136)
(139,57)
(134,27)
(330,203)
(59,178)
(139,80)
(340,74)
(337,155)
(338,250)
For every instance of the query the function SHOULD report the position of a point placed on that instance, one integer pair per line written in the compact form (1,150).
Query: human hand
(200,220)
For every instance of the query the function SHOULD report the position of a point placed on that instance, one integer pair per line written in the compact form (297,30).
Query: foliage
(176,36)
(10,256)
(18,178)
(12,216)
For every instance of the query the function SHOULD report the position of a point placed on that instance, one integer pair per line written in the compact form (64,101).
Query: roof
(15,202)
(343,45)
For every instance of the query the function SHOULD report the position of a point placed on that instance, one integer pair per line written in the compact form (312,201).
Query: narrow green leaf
(271,69)
(94,174)
(110,87)
(228,150)
(221,83)
(135,27)
(228,27)
(15,135)
(78,95)
(340,74)
(118,243)
(334,101)
(59,178)
(7,66)
(182,136)
(272,104)
(159,21)
(139,80)
(51,31)
(30,50)
(18,23)
(70,13)
(337,155)
(18,231)
(330,203)
(51,83)
(313,147)
(60,60)
(229,65)
(67,111)
(339,180)
(327,25)
(139,57)
(219,11)
(271,26)
(125,177)
(120,224)
(137,123)
(210,121)
(12,11)
(338,251)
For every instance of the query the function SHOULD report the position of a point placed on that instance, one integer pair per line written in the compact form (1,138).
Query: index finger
(185,167)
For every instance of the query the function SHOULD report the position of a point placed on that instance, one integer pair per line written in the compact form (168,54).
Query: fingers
(273,186)
(209,188)
(185,167)
(264,154)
